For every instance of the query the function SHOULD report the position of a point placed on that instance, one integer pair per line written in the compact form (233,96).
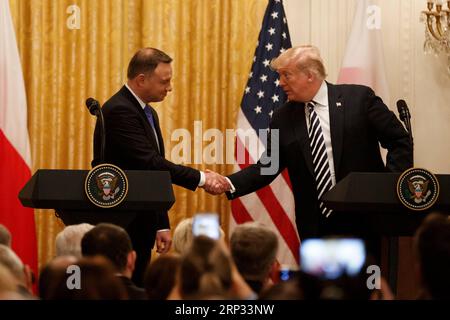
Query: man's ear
(140,79)
(28,275)
(131,260)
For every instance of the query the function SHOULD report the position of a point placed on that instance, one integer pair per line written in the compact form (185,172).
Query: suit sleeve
(163,221)
(391,134)
(126,136)
(259,175)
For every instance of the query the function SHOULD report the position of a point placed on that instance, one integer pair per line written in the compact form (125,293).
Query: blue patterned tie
(320,158)
(148,113)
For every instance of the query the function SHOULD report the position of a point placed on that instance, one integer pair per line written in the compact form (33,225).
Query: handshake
(215,183)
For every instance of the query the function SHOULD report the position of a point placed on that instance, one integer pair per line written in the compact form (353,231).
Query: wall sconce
(437,29)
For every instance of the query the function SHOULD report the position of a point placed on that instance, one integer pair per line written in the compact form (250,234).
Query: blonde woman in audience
(182,236)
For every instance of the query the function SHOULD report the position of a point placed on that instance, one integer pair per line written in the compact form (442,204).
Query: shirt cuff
(202,181)
(232,188)
(163,230)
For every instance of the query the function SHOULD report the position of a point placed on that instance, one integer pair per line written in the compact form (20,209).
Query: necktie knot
(310,106)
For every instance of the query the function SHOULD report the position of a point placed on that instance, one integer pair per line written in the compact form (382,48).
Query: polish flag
(363,62)
(15,158)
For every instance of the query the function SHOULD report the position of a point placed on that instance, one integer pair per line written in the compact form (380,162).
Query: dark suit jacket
(131,143)
(134,292)
(357,125)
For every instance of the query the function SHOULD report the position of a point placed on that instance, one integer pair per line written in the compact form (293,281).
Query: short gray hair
(12,262)
(306,57)
(254,248)
(68,241)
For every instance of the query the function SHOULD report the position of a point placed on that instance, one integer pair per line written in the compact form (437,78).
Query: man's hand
(163,241)
(215,183)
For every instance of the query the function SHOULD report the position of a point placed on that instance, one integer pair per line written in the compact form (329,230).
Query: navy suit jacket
(359,121)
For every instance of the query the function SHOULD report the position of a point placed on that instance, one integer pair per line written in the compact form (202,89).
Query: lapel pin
(338,104)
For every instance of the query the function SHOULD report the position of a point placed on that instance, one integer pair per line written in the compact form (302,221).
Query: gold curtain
(212,43)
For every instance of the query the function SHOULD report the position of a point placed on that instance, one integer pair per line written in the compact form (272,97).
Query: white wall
(421,80)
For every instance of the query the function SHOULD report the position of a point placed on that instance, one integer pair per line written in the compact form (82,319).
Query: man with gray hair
(68,241)
(325,132)
(254,249)
(21,273)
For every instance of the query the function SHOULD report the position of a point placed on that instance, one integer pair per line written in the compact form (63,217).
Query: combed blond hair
(306,57)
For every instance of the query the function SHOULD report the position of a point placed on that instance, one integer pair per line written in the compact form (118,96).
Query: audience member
(68,241)
(161,275)
(182,236)
(7,283)
(52,274)
(21,273)
(254,249)
(97,281)
(114,243)
(432,248)
(205,270)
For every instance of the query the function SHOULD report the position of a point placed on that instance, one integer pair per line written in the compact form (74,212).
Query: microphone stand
(99,114)
(96,110)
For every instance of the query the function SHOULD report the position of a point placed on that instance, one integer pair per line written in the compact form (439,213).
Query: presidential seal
(106,185)
(417,189)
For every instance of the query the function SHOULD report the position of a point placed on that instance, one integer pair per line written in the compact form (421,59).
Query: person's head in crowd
(432,248)
(150,74)
(7,283)
(254,249)
(52,274)
(68,241)
(160,276)
(182,236)
(5,236)
(112,242)
(301,71)
(21,273)
(92,278)
(206,270)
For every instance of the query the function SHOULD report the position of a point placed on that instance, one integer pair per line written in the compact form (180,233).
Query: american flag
(274,204)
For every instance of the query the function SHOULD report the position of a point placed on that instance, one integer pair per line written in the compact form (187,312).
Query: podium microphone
(93,106)
(405,116)
(94,109)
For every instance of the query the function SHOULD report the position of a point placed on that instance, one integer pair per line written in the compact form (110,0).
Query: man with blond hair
(325,132)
